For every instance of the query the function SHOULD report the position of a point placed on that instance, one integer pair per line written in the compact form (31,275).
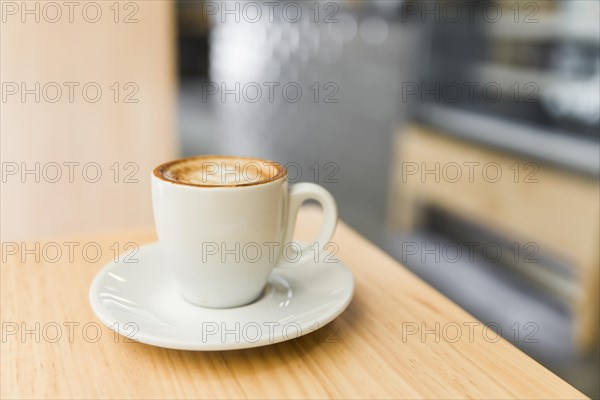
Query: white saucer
(140,301)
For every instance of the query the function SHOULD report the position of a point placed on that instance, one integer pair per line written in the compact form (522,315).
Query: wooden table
(375,349)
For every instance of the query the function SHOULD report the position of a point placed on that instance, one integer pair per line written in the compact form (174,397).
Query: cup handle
(298,194)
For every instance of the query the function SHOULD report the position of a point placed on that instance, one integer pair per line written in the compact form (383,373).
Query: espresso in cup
(223,222)
(221,171)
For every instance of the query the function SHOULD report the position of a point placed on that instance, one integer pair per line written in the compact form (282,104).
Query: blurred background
(461,137)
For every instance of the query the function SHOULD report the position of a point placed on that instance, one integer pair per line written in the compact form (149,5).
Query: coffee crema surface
(221,171)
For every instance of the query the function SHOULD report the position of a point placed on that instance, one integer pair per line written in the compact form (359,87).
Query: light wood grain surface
(365,353)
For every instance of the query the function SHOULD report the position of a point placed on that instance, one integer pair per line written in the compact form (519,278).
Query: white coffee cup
(223,228)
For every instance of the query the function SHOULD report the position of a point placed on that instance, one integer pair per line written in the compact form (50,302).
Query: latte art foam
(221,171)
